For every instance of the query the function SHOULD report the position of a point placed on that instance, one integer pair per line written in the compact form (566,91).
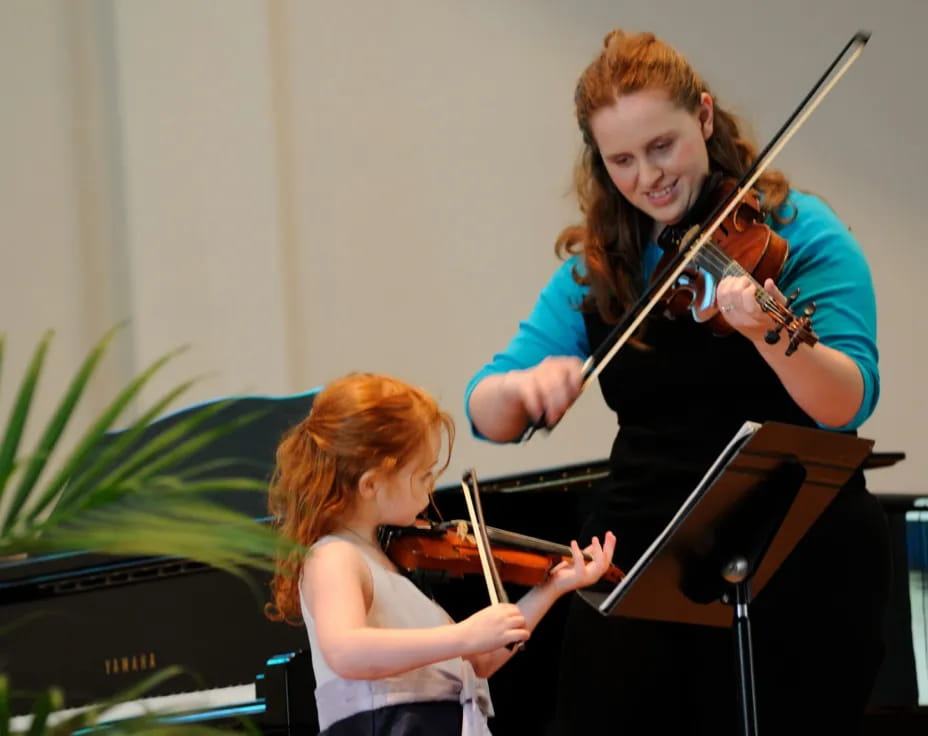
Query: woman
(656,138)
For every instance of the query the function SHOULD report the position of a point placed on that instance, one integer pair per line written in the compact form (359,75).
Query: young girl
(387,659)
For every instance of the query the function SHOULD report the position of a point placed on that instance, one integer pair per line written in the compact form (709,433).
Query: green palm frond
(18,415)
(126,496)
(172,522)
(55,426)
(135,492)
(48,702)
(85,446)
(5,708)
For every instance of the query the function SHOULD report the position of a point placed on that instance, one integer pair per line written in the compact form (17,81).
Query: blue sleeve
(827,265)
(554,327)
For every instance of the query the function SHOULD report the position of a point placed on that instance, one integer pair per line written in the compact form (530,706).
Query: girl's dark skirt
(433,718)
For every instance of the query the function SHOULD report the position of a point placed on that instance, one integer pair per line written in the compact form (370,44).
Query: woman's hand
(578,574)
(826,383)
(735,298)
(548,388)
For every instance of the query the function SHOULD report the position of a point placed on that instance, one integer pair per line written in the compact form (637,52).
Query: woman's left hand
(734,297)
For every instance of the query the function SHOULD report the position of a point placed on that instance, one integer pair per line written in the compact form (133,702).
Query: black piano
(94,625)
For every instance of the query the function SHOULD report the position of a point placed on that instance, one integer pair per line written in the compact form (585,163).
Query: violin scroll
(799,329)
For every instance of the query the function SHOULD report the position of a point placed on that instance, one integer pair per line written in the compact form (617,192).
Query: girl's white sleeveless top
(398,604)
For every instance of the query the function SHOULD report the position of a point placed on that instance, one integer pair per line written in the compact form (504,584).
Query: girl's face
(405,492)
(655,152)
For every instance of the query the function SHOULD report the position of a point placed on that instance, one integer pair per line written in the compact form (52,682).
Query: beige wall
(300,189)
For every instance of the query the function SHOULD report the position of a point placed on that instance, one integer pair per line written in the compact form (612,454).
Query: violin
(742,245)
(452,547)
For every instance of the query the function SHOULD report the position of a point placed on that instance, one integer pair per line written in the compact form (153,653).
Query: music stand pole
(742,540)
(737,572)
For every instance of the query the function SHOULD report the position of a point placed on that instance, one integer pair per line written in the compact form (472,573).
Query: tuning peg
(772,336)
(803,325)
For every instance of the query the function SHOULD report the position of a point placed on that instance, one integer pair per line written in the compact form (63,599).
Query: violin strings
(725,265)
(710,254)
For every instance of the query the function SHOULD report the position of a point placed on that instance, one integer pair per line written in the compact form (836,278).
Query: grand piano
(93,625)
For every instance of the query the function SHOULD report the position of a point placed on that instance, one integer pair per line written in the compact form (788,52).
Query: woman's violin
(451,547)
(742,245)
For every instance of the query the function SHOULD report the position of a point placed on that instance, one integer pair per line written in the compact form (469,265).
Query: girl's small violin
(451,547)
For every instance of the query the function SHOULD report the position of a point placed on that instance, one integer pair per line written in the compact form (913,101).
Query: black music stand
(752,507)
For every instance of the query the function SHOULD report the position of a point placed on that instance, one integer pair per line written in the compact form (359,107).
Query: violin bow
(699,235)
(491,574)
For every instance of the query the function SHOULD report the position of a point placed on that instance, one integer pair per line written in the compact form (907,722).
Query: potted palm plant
(122,497)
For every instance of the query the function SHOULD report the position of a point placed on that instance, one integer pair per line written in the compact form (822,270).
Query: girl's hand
(494,627)
(569,576)
(548,388)
(735,299)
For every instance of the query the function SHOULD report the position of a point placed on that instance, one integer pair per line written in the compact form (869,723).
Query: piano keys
(213,705)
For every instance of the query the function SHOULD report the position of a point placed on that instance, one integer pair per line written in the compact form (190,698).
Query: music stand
(761,495)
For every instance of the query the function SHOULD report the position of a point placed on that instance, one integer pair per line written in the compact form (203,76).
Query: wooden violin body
(451,547)
(742,245)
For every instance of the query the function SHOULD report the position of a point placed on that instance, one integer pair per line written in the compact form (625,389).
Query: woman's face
(655,152)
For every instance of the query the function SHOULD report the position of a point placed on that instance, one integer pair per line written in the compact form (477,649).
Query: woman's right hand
(494,627)
(548,389)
